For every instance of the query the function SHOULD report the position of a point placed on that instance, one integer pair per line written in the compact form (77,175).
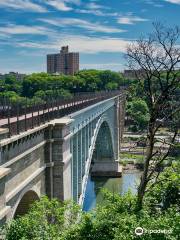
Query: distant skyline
(98,29)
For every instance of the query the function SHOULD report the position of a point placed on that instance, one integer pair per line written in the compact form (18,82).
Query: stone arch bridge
(51,149)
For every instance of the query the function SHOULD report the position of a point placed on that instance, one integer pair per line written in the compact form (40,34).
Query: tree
(115,219)
(46,220)
(90,78)
(13,97)
(156,58)
(137,110)
(110,79)
(111,86)
(165,192)
(35,82)
(12,84)
(98,80)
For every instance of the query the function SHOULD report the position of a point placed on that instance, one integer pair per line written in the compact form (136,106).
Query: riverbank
(129,168)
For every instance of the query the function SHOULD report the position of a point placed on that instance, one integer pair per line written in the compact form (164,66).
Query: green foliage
(175,151)
(116,218)
(95,80)
(111,86)
(51,93)
(90,80)
(166,191)
(11,84)
(83,81)
(110,79)
(137,158)
(13,97)
(138,112)
(46,220)
(39,86)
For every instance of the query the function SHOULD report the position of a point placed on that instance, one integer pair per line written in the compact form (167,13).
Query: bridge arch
(103,147)
(103,130)
(102,159)
(23,205)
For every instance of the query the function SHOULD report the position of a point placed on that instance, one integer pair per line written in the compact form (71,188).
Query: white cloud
(153,3)
(96,9)
(62,5)
(93,5)
(59,5)
(33,53)
(96,12)
(81,43)
(75,22)
(12,29)
(24,5)
(130,19)
(3,35)
(87,11)
(173,1)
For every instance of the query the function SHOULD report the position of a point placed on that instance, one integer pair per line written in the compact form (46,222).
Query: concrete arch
(102,121)
(24,203)
(103,144)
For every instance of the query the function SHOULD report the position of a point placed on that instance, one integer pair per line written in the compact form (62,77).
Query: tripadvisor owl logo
(139,231)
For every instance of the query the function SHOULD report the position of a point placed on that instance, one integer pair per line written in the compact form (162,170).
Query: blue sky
(99,29)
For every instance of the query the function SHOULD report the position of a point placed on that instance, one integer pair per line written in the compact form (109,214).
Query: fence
(21,117)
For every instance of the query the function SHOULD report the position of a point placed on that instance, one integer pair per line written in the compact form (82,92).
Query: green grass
(133,139)
(163,130)
(128,157)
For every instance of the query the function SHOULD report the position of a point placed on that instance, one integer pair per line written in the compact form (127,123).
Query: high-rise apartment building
(64,62)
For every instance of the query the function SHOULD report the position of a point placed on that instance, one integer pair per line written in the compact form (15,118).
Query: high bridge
(50,148)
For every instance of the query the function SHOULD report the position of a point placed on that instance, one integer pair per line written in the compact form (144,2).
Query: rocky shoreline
(130,167)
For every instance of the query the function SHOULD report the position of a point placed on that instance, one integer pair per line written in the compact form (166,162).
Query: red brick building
(64,62)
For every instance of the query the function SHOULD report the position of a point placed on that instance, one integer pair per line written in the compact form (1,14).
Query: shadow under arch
(24,204)
(103,149)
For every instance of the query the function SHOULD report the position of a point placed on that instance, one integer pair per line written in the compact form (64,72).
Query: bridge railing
(21,117)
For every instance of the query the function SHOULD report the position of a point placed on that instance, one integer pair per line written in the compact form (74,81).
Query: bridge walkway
(19,118)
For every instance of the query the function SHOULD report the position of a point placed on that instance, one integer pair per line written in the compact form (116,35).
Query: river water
(121,185)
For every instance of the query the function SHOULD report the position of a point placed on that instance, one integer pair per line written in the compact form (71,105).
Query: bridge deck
(19,118)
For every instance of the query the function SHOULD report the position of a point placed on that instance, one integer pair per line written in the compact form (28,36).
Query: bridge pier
(105,168)
(58,159)
(4,208)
